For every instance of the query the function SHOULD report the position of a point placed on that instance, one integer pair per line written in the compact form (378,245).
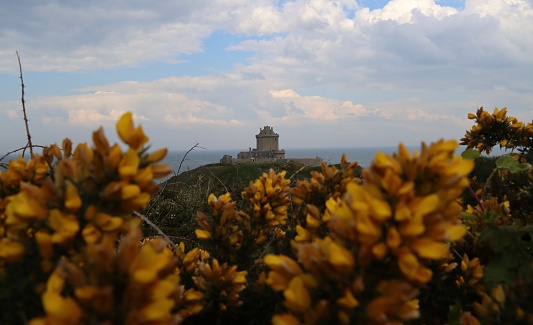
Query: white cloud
(12,114)
(91,117)
(406,45)
(313,42)
(150,104)
(168,106)
(413,66)
(348,108)
(315,109)
(402,11)
(69,36)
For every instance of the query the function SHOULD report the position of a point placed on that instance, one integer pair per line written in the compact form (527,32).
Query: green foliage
(511,164)
(510,254)
(470,154)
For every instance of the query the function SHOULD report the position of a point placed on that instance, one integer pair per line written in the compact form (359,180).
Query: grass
(175,207)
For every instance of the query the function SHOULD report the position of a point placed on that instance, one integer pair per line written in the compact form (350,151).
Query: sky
(323,73)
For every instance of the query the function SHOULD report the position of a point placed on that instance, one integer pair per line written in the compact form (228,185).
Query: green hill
(174,208)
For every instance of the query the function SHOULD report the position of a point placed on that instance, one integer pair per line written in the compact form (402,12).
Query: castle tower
(267,139)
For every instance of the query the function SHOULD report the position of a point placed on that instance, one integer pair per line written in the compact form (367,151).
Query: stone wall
(308,161)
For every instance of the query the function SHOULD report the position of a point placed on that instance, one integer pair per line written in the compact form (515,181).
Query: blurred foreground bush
(70,250)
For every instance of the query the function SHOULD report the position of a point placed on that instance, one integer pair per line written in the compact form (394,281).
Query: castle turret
(267,139)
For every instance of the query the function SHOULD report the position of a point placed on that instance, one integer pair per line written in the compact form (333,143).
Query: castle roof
(266,131)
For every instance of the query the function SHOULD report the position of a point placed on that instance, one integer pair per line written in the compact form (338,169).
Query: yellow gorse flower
(269,197)
(11,251)
(408,230)
(471,274)
(71,206)
(497,128)
(60,309)
(225,229)
(396,302)
(221,280)
(402,216)
(335,248)
(134,137)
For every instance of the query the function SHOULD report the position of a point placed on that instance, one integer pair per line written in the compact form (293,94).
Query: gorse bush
(498,129)
(426,237)
(382,236)
(70,251)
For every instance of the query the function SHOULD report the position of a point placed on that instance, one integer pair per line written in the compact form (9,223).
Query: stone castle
(267,150)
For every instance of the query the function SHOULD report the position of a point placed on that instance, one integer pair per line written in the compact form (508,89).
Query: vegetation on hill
(175,206)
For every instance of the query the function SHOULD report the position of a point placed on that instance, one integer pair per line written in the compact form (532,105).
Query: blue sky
(323,73)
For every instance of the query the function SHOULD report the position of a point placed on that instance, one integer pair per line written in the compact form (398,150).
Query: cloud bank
(326,73)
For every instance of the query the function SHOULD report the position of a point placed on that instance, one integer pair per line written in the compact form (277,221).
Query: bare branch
(176,173)
(296,172)
(184,156)
(153,225)
(24,108)
(4,165)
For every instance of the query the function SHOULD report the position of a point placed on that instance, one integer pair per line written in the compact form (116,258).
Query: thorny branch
(176,173)
(4,165)
(24,109)
(29,144)
(185,156)
(197,145)
(153,225)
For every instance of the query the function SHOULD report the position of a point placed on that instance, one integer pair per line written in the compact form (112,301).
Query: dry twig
(185,156)
(298,171)
(153,225)
(176,173)
(24,109)
(5,165)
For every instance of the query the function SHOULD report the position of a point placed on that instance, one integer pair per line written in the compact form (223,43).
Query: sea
(181,161)
(184,160)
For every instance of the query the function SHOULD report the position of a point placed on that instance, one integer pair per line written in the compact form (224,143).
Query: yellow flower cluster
(406,209)
(401,218)
(330,182)
(90,191)
(151,287)
(65,211)
(471,274)
(345,250)
(269,197)
(221,283)
(311,195)
(491,304)
(238,237)
(487,212)
(396,301)
(225,229)
(491,129)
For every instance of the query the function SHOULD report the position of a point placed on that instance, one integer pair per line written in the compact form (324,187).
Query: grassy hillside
(233,177)
(174,208)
